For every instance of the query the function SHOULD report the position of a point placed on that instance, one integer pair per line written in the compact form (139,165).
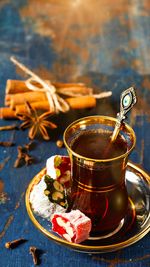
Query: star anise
(36,123)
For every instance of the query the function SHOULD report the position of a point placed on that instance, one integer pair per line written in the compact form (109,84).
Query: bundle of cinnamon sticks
(17,93)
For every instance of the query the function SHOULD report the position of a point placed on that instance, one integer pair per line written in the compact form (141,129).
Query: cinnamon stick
(75,90)
(17,93)
(81,102)
(18,86)
(7,113)
(74,103)
(7,99)
(18,99)
(71,90)
(15,86)
(39,105)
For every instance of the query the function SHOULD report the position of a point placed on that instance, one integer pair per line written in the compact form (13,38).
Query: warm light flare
(76,3)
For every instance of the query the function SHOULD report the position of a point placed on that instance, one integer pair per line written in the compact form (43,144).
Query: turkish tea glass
(98,187)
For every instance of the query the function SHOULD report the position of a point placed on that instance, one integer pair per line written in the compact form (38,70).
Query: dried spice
(2,164)
(8,127)
(14,243)
(23,156)
(37,124)
(6,144)
(33,252)
(59,143)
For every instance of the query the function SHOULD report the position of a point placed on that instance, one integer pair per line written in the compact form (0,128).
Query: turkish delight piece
(55,191)
(74,226)
(40,202)
(59,167)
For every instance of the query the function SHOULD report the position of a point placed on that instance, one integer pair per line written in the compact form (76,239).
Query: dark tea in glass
(98,186)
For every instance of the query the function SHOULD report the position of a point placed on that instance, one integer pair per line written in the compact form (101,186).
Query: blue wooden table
(102,43)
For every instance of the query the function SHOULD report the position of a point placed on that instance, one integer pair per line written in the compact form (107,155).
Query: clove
(29,145)
(14,243)
(6,144)
(28,159)
(33,252)
(23,156)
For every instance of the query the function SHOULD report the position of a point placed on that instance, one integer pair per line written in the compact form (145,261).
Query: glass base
(109,234)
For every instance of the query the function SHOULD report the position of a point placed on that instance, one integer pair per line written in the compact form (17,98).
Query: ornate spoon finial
(127,101)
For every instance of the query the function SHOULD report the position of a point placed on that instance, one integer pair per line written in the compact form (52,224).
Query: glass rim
(97,117)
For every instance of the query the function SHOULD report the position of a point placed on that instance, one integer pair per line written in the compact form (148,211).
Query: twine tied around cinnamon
(56,102)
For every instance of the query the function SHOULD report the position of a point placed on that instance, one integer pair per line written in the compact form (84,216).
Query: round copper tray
(136,222)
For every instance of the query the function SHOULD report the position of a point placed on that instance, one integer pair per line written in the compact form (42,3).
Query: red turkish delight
(74,226)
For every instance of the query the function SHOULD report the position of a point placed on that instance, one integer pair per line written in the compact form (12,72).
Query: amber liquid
(99,191)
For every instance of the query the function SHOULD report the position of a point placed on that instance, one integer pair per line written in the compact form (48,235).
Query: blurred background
(103,43)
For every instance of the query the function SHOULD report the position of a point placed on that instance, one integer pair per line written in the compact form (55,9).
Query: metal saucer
(136,222)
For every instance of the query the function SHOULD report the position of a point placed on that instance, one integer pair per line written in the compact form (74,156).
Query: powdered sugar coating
(40,202)
(72,222)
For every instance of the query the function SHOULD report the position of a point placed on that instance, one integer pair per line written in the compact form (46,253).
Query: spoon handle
(127,101)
